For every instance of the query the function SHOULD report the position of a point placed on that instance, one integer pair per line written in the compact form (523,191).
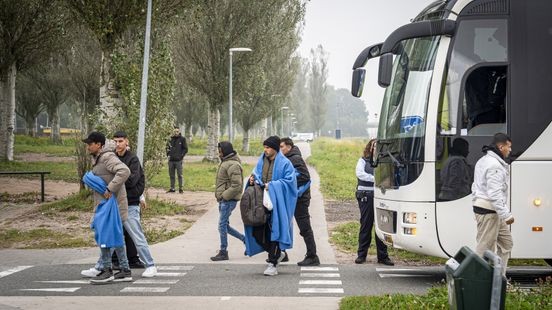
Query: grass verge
(437,298)
(40,238)
(26,144)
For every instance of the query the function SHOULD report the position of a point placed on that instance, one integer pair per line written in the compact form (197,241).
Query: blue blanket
(283,194)
(107,224)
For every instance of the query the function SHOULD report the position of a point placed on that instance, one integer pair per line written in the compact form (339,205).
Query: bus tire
(548,261)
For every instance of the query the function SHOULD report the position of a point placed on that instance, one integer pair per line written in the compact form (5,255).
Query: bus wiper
(395,160)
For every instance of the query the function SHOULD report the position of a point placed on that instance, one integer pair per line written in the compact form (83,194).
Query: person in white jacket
(490,200)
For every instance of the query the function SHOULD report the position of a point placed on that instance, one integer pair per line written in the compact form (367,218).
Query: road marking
(320,275)
(225,298)
(66,282)
(317,290)
(401,275)
(155,281)
(135,289)
(13,270)
(59,289)
(319,269)
(171,274)
(173,268)
(320,282)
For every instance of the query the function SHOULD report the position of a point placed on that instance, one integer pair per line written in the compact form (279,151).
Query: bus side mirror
(358,82)
(385,69)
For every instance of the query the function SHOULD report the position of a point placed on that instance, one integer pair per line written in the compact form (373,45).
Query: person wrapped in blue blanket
(114,173)
(275,173)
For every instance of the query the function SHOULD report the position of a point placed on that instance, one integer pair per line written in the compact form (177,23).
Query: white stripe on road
(173,268)
(60,289)
(145,289)
(401,275)
(13,270)
(320,291)
(320,282)
(170,274)
(320,275)
(67,282)
(319,269)
(155,281)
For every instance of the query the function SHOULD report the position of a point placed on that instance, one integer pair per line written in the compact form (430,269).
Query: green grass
(199,146)
(198,176)
(157,208)
(65,171)
(40,239)
(437,298)
(26,144)
(335,161)
(27,197)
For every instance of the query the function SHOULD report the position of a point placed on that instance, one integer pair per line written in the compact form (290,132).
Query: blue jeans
(225,210)
(105,258)
(134,229)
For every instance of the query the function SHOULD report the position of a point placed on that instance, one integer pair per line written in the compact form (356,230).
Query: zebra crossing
(166,276)
(320,280)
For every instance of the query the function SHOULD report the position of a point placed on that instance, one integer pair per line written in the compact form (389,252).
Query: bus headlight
(409,231)
(410,218)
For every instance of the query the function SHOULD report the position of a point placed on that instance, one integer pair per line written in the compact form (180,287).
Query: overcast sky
(344,28)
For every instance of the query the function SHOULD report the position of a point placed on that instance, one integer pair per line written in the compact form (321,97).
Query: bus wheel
(548,261)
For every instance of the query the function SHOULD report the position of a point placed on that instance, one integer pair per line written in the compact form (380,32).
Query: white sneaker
(271,270)
(90,273)
(150,272)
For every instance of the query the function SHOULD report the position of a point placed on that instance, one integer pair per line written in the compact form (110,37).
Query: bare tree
(28,105)
(318,74)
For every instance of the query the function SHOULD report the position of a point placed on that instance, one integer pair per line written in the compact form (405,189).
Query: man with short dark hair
(302,216)
(176,150)
(276,175)
(490,199)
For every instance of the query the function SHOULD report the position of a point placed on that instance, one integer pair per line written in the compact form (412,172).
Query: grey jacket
(115,173)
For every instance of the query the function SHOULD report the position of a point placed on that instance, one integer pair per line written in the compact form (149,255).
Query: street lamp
(234,49)
(282,121)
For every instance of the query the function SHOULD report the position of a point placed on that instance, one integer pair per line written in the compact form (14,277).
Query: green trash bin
(474,282)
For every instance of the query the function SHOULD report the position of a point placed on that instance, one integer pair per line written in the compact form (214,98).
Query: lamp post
(144,89)
(230,126)
(282,121)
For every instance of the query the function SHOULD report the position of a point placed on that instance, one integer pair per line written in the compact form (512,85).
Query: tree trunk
(3,115)
(213,124)
(188,132)
(110,95)
(7,97)
(55,135)
(245,147)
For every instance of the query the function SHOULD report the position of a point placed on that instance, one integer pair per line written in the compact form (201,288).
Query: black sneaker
(181,191)
(171,190)
(285,259)
(106,276)
(123,276)
(310,261)
(360,260)
(221,255)
(386,261)
(136,265)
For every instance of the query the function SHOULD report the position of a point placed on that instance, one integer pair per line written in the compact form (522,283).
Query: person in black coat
(176,150)
(302,215)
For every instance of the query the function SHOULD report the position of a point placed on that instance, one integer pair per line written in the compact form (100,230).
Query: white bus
(463,69)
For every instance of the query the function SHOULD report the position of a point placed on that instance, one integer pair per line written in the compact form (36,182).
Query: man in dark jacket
(176,150)
(229,185)
(302,215)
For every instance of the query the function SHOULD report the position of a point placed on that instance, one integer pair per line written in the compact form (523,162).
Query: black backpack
(253,212)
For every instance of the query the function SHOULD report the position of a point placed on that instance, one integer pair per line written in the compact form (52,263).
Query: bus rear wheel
(548,261)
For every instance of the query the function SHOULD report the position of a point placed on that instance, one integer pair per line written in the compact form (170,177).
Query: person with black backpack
(135,185)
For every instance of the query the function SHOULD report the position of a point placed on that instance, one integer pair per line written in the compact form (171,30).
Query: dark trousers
(366,205)
(262,236)
(175,167)
(132,253)
(302,217)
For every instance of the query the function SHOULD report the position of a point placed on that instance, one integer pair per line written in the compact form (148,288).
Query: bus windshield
(401,129)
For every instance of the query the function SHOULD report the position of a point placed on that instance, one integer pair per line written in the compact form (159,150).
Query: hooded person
(228,190)
(276,175)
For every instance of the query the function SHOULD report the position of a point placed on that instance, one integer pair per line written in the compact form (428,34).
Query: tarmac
(196,245)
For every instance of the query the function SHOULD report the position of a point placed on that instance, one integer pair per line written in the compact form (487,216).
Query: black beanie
(226,148)
(273,142)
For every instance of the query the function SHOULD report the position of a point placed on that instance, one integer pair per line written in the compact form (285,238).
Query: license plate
(388,239)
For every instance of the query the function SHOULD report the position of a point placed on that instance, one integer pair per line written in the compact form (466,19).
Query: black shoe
(171,190)
(123,276)
(181,191)
(137,265)
(285,259)
(310,261)
(386,261)
(222,255)
(104,277)
(360,260)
